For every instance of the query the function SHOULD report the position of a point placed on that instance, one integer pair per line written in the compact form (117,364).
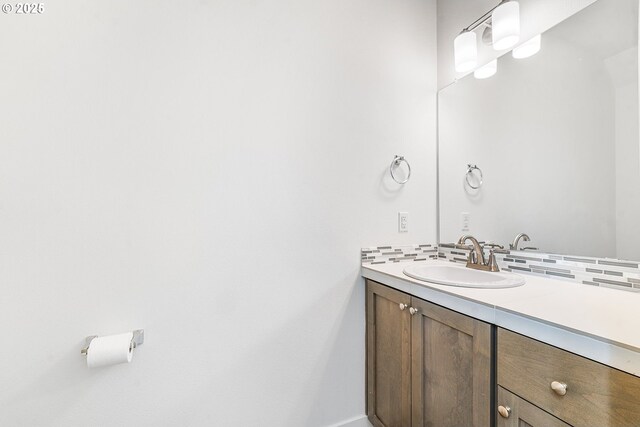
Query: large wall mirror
(556,137)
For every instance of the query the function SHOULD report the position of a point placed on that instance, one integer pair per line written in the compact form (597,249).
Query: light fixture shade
(486,70)
(505,23)
(465,49)
(528,48)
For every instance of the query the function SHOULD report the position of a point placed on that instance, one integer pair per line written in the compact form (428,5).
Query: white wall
(208,171)
(536,16)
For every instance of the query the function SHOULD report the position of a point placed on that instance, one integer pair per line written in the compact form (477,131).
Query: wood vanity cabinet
(388,356)
(536,380)
(426,365)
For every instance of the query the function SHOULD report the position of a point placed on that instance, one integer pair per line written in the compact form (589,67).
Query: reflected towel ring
(395,163)
(470,169)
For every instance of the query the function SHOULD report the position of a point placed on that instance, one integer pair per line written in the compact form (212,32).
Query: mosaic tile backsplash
(604,272)
(384,254)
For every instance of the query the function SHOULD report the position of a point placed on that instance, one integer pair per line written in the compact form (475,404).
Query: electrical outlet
(403,222)
(465,221)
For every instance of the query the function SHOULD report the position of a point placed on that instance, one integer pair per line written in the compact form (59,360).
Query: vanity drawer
(516,412)
(596,395)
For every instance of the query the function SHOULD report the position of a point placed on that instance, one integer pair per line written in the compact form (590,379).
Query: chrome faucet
(476,256)
(516,241)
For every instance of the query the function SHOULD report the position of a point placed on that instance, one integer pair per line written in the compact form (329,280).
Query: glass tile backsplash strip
(398,253)
(604,272)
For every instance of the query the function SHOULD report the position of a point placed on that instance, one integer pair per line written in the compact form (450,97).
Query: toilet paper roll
(110,350)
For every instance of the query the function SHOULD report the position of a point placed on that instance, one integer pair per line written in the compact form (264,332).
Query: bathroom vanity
(547,151)
(445,356)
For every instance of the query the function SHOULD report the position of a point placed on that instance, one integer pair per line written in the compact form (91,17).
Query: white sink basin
(463,277)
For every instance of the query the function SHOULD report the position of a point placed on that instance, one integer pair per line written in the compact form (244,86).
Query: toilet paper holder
(136,340)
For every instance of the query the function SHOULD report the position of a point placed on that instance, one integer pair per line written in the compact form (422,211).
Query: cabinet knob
(402,306)
(559,388)
(504,411)
(413,311)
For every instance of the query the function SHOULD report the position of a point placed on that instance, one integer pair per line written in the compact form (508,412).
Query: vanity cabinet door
(516,412)
(388,357)
(451,368)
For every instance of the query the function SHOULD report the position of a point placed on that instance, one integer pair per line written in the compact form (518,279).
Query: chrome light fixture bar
(505,28)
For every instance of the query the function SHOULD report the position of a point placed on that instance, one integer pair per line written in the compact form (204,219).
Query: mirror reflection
(544,155)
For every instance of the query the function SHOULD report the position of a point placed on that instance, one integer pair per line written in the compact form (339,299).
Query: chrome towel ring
(470,169)
(397,160)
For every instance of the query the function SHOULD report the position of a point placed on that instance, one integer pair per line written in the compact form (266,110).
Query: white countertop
(598,323)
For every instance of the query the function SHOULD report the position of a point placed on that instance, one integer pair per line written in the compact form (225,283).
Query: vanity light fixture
(466,51)
(502,31)
(528,48)
(505,23)
(486,70)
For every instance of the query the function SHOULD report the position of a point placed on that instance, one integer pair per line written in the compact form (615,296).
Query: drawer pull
(413,310)
(403,306)
(504,411)
(559,388)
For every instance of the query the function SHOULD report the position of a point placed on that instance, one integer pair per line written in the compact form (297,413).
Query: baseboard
(360,421)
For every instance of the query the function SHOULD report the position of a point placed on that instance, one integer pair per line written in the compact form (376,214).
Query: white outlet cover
(465,221)
(403,222)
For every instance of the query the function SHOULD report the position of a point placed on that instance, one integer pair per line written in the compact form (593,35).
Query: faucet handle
(473,257)
(492,263)
(492,245)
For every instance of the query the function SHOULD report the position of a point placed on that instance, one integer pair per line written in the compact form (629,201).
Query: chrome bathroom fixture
(476,255)
(516,241)
(136,340)
(397,161)
(492,245)
(470,171)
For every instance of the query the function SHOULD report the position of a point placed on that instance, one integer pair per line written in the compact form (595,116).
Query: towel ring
(470,169)
(394,164)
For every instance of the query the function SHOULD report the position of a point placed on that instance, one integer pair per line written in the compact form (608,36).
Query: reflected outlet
(403,222)
(465,221)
